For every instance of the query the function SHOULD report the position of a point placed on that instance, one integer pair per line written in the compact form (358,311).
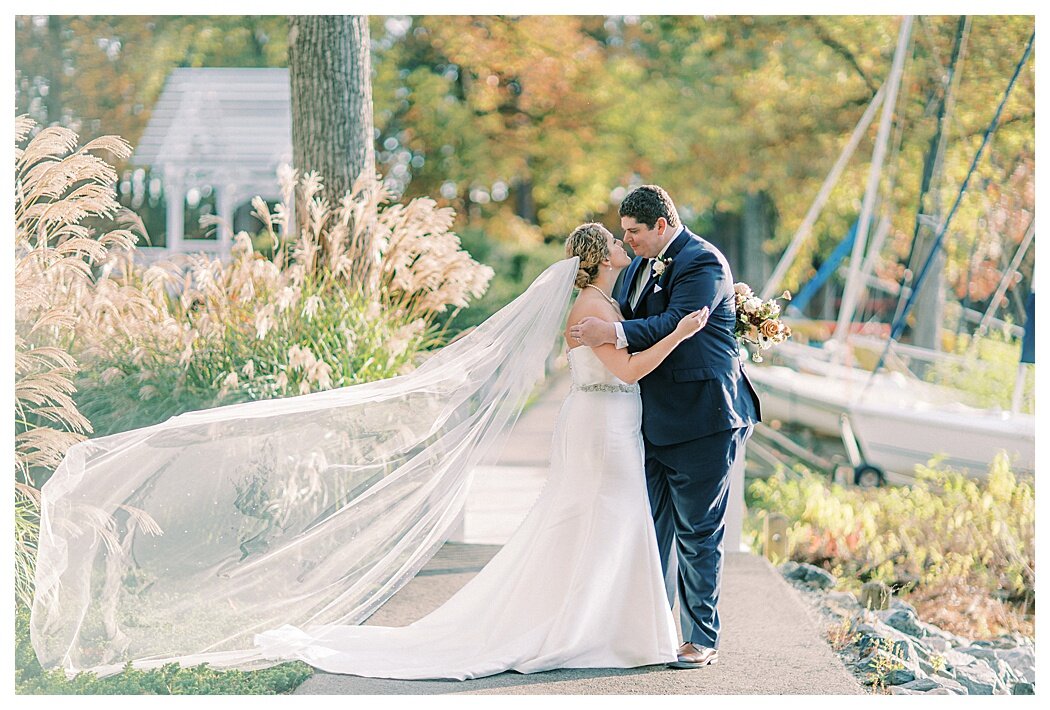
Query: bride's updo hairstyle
(590,242)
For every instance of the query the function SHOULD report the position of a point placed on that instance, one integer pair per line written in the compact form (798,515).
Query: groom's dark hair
(649,203)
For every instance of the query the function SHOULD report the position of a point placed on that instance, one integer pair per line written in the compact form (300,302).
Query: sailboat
(890,420)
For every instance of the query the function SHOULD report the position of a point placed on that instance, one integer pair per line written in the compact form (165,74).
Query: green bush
(987,372)
(171,679)
(341,338)
(946,529)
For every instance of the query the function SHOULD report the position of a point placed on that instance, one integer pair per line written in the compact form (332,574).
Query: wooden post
(175,189)
(775,536)
(875,596)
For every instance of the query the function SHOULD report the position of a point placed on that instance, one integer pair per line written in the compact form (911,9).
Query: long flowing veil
(180,541)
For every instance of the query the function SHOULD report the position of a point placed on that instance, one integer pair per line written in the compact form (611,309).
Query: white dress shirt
(621,339)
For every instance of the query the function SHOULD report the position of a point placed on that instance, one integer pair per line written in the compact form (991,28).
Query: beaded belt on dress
(605,388)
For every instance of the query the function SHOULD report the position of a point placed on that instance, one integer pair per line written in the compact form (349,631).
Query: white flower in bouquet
(752,304)
(742,289)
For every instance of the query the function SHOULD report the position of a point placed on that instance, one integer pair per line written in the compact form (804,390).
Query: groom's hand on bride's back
(593,332)
(691,323)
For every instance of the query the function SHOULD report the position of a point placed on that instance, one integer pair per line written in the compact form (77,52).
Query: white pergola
(229,128)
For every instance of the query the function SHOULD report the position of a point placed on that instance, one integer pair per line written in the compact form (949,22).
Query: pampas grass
(104,344)
(352,297)
(57,188)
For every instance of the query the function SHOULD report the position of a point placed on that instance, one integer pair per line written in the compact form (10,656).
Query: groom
(698,407)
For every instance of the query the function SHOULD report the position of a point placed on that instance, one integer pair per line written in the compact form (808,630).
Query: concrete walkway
(771,644)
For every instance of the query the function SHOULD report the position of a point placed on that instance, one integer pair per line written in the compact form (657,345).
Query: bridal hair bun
(590,242)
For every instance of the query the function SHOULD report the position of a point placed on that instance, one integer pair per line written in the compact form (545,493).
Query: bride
(255,533)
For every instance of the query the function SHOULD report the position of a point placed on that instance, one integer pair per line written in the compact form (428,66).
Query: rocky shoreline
(892,650)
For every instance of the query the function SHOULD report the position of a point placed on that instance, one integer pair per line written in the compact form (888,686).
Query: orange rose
(769,328)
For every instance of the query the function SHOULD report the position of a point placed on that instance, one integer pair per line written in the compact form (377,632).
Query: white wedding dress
(578,585)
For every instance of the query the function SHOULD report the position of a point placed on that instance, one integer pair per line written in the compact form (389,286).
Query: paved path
(771,644)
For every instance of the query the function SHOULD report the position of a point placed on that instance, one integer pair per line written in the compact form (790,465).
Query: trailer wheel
(868,476)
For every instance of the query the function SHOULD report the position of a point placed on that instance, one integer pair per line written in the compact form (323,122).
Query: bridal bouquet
(757,321)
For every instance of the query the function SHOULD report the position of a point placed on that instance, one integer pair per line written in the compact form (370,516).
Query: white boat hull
(896,440)
(894,420)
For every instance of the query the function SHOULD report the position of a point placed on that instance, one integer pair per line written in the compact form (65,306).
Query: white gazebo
(227,128)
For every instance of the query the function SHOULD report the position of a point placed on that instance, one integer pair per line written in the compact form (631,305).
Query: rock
(938,644)
(958,659)
(842,598)
(928,684)
(875,595)
(1005,672)
(979,651)
(903,690)
(899,677)
(901,604)
(906,621)
(879,636)
(808,574)
(979,679)
(1005,641)
(1022,661)
(1016,663)
(953,686)
(842,604)
(1023,688)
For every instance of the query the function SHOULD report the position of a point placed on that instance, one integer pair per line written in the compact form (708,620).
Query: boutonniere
(660,266)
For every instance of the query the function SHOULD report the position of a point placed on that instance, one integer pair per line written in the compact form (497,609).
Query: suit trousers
(689,493)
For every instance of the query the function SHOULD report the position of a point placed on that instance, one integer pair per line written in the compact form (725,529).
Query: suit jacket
(701,388)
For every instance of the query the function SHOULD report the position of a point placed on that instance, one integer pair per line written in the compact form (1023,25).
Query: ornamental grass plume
(57,188)
(351,297)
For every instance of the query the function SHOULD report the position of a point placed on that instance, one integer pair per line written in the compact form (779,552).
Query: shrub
(170,679)
(946,531)
(987,372)
(327,311)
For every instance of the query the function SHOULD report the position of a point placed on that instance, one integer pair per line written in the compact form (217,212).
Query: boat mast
(853,281)
(1007,280)
(804,229)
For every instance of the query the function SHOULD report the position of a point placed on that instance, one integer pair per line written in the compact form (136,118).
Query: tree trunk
(525,206)
(330,69)
(53,100)
(740,236)
(756,229)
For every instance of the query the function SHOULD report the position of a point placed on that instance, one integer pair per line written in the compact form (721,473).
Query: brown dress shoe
(693,656)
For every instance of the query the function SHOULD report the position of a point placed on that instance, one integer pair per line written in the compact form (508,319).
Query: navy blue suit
(698,410)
